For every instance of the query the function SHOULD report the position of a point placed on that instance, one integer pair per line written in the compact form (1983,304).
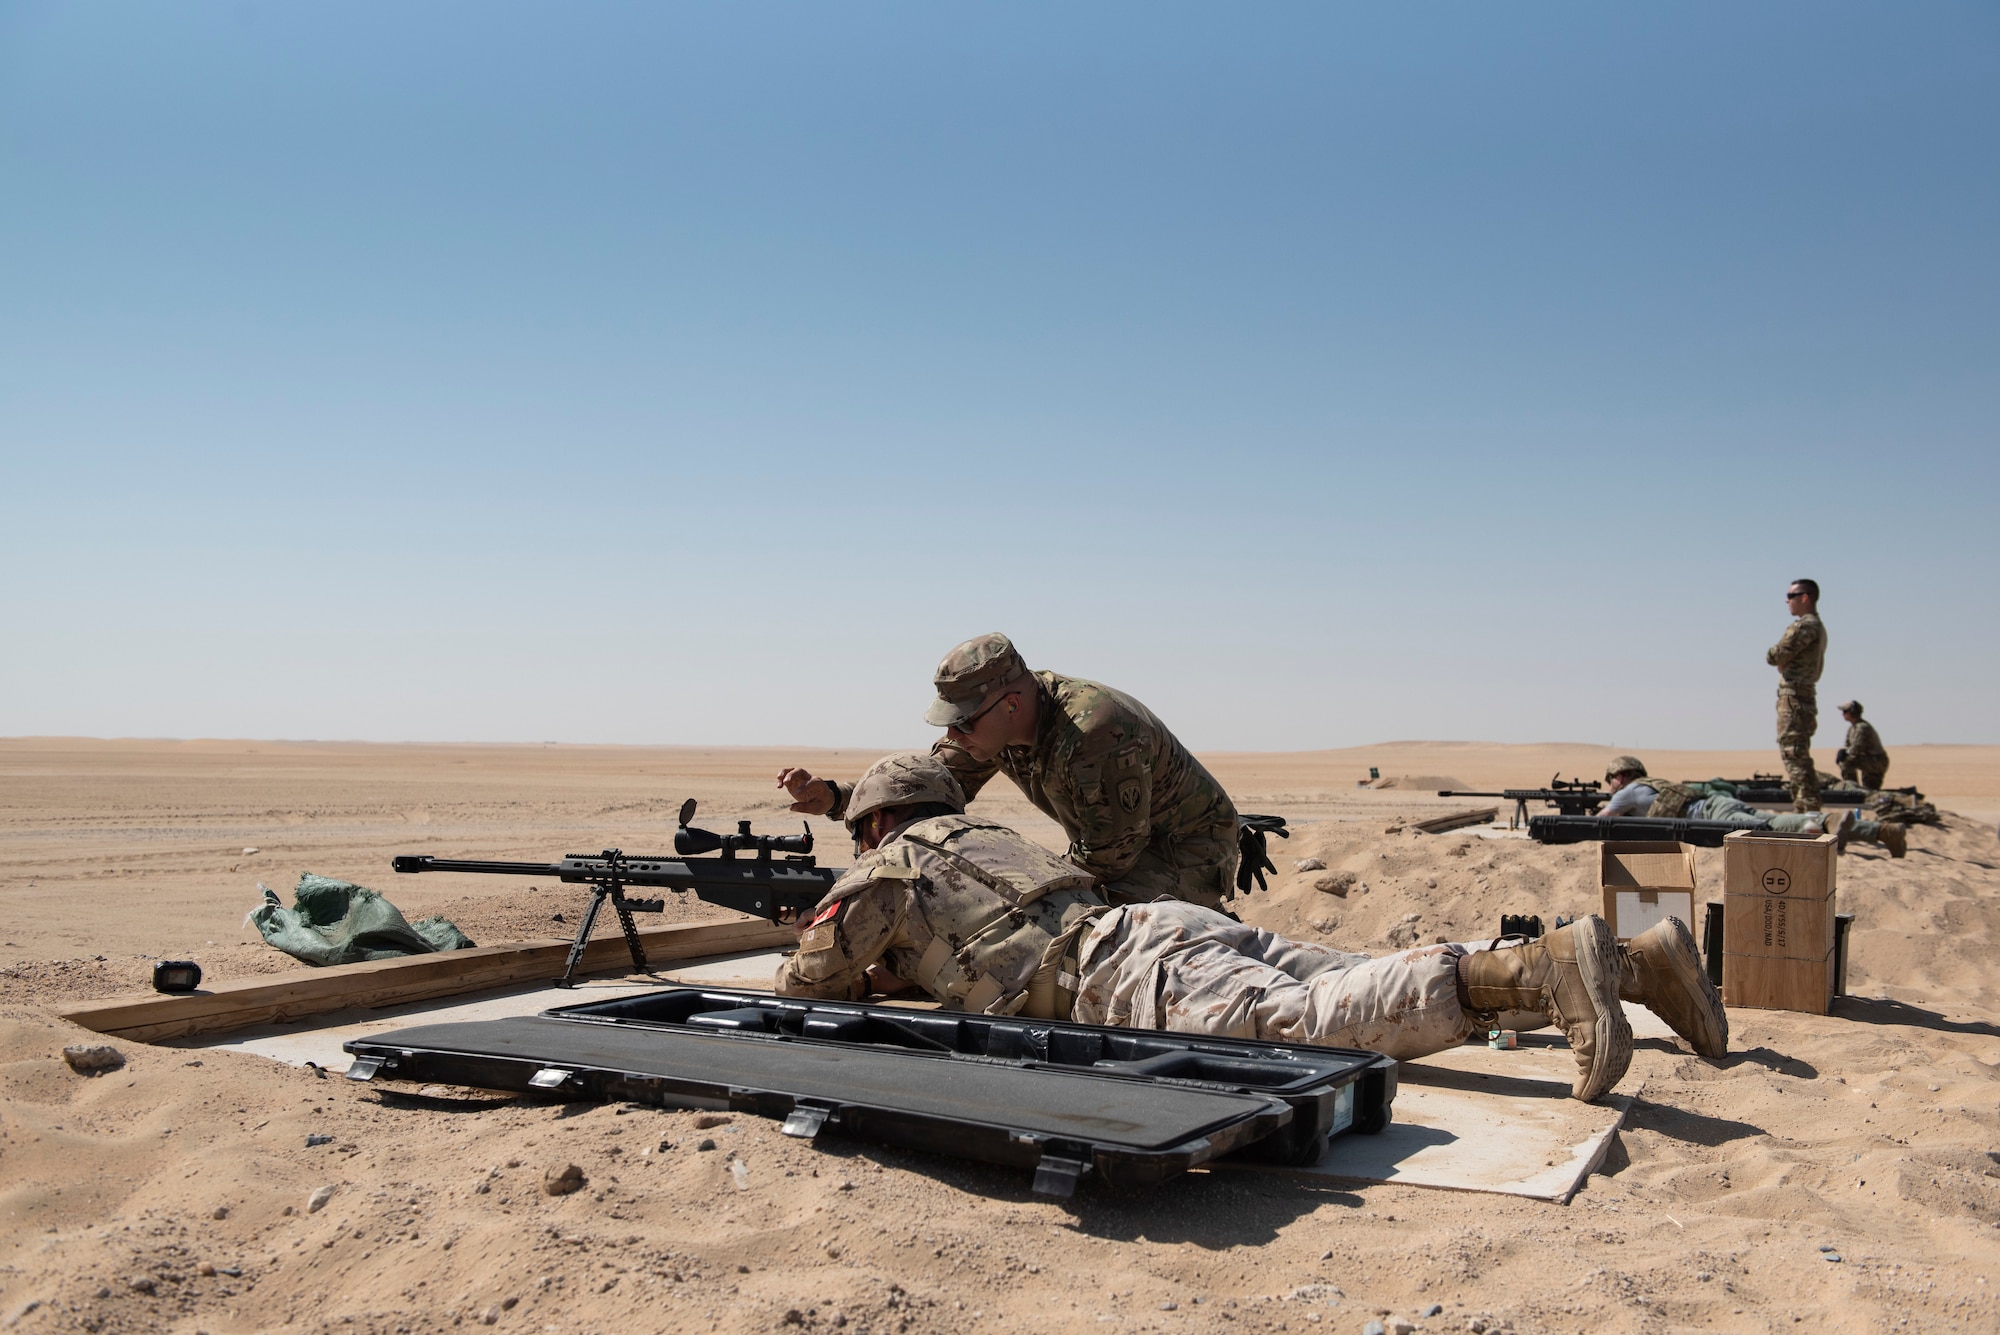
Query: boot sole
(1683,963)
(1597,962)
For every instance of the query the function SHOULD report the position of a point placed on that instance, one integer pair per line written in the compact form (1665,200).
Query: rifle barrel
(413,863)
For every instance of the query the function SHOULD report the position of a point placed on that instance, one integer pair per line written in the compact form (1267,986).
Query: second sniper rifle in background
(758,884)
(1577,797)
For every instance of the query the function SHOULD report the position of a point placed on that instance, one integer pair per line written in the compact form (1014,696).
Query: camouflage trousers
(1871,779)
(1179,967)
(1199,868)
(1798,720)
(1746,817)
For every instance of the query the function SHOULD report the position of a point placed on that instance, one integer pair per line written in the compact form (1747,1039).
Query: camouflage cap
(901,779)
(1625,765)
(1852,707)
(969,675)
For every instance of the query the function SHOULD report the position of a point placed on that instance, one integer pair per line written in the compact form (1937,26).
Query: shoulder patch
(817,937)
(894,871)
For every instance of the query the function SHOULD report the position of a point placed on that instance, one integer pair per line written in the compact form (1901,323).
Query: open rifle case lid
(1133,1107)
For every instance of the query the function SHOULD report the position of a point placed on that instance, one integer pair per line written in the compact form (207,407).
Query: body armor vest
(1003,914)
(1671,799)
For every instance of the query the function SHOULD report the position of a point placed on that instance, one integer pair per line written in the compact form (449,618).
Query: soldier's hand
(813,797)
(882,981)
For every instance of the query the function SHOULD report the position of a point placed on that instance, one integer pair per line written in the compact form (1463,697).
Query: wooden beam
(1457,820)
(271,998)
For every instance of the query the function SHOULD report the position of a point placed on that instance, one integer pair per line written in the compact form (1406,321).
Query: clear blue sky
(669,373)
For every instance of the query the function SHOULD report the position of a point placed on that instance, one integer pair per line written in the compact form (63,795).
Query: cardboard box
(1778,927)
(1645,883)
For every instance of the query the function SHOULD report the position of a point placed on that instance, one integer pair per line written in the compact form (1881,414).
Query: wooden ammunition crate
(1778,921)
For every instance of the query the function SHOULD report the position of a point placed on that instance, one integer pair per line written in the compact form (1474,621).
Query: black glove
(1253,861)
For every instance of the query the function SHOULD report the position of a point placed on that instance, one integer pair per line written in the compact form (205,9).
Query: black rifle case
(1133,1107)
(1584,829)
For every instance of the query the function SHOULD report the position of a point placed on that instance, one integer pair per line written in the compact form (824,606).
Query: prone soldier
(1635,793)
(982,918)
(1142,815)
(1799,655)
(1863,758)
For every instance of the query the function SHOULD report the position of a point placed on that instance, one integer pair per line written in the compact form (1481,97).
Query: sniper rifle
(758,884)
(1577,797)
(1771,789)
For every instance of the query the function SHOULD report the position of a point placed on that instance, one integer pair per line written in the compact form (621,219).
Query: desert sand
(172,1194)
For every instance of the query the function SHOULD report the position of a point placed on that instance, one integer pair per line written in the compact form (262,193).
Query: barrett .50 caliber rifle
(759,883)
(1771,790)
(1577,797)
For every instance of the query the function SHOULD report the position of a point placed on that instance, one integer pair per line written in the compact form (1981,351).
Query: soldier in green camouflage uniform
(1863,757)
(981,918)
(1799,655)
(1142,814)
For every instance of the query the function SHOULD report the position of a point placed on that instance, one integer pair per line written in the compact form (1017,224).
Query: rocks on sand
(93,1058)
(562,1181)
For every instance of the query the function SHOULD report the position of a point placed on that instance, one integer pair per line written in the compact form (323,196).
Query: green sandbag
(338,922)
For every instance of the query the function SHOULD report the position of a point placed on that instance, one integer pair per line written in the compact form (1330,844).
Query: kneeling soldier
(981,918)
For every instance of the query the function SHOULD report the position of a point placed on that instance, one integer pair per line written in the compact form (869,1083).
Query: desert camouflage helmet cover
(1625,765)
(968,677)
(900,779)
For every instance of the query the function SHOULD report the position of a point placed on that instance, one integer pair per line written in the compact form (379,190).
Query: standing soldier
(1863,757)
(1142,815)
(1799,655)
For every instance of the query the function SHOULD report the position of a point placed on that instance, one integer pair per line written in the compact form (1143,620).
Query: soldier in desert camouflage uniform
(981,917)
(1799,655)
(1863,758)
(1142,814)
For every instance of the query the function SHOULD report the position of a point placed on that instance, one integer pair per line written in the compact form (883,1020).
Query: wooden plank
(1457,820)
(266,999)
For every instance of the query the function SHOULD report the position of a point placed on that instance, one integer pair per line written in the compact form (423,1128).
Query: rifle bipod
(613,889)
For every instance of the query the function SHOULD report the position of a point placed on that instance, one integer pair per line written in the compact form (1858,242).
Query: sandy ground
(1871,1131)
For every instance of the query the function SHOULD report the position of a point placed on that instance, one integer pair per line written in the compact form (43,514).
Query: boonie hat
(968,677)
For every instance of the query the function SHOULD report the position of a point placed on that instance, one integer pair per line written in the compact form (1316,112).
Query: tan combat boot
(1895,838)
(1663,973)
(1572,976)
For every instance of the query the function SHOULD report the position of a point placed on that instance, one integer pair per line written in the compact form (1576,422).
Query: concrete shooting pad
(1477,1119)
(1468,1119)
(318,1038)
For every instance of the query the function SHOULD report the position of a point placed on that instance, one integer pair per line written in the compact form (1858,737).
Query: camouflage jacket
(1864,746)
(978,916)
(1800,654)
(1108,772)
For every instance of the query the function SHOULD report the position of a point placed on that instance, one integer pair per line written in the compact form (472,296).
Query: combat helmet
(901,779)
(1631,765)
